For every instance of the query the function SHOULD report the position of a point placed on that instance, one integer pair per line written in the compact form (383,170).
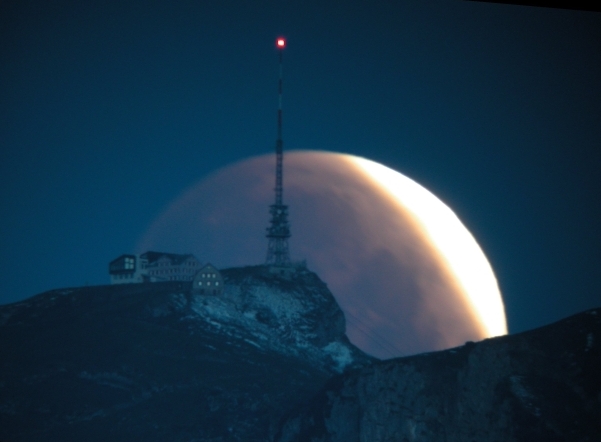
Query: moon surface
(408,275)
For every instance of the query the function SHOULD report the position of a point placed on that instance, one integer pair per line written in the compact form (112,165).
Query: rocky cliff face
(156,362)
(543,385)
(294,315)
(268,361)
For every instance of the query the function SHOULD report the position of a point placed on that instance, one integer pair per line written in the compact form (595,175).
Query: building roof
(209,266)
(121,257)
(175,258)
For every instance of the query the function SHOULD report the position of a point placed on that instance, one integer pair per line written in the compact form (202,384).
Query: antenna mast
(279,231)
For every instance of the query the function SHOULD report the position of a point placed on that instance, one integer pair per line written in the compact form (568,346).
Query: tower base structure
(278,234)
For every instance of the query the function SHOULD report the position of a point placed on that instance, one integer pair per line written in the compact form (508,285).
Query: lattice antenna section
(279,230)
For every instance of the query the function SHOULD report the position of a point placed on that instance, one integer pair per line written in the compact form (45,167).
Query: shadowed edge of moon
(398,294)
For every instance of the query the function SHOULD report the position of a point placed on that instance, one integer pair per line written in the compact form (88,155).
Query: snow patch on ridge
(340,353)
(520,390)
(299,318)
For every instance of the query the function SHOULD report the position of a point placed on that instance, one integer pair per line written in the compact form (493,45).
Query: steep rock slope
(542,385)
(156,362)
(305,322)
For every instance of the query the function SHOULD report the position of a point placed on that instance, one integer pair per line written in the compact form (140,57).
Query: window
(129,263)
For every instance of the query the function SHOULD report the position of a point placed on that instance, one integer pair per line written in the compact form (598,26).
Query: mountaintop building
(153,267)
(208,281)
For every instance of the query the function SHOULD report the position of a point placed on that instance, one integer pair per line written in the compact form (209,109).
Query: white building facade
(153,267)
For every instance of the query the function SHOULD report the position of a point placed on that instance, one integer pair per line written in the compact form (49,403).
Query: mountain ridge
(158,362)
(538,385)
(269,361)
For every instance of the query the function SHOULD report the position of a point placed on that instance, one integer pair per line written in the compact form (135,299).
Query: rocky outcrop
(156,362)
(268,360)
(292,314)
(542,385)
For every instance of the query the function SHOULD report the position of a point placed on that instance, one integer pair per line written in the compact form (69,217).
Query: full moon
(406,272)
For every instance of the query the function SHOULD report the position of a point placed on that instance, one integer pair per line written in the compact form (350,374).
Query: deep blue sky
(109,110)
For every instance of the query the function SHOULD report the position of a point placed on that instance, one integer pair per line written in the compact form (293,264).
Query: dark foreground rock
(268,361)
(156,362)
(542,385)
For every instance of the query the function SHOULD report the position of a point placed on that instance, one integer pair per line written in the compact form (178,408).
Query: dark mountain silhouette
(155,362)
(268,360)
(541,385)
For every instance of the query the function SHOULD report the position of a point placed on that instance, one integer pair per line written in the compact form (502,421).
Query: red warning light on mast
(280,43)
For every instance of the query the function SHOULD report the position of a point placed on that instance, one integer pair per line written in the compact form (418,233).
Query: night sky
(110,110)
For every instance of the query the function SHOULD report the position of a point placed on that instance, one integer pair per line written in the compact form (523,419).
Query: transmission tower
(279,230)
